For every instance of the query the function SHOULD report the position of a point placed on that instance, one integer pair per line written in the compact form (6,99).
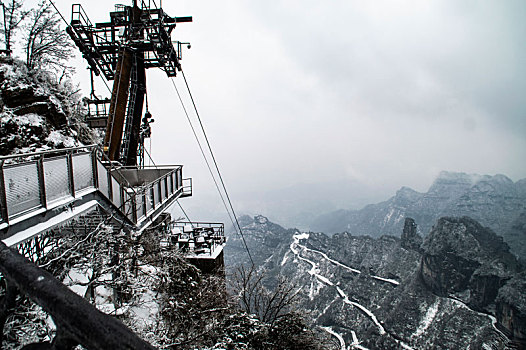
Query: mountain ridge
(378,292)
(496,201)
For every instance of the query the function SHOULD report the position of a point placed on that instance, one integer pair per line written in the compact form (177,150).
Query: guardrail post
(41,181)
(3,195)
(69,158)
(95,170)
(134,207)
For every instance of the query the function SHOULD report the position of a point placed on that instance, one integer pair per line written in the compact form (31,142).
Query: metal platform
(100,43)
(202,243)
(39,191)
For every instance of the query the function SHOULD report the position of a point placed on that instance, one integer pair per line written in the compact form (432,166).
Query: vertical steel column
(133,138)
(119,100)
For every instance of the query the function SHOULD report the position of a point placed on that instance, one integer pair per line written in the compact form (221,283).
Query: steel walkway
(43,190)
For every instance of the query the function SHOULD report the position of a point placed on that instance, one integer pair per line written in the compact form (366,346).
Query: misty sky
(373,95)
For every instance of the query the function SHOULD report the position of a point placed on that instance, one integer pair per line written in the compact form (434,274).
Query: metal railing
(77,321)
(78,14)
(45,180)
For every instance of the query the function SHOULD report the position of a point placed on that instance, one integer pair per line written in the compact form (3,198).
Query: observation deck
(42,190)
(202,243)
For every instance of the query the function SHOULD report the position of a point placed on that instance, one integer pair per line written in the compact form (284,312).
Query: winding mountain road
(296,248)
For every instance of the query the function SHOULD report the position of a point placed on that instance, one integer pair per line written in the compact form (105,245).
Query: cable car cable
(203,152)
(238,228)
(216,166)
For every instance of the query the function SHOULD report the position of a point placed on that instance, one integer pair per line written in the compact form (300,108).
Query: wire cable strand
(67,25)
(202,151)
(216,166)
(238,227)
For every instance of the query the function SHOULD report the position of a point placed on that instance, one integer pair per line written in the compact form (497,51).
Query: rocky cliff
(38,112)
(494,201)
(463,258)
(448,291)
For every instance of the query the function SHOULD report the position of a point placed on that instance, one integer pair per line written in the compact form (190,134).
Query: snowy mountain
(494,201)
(452,291)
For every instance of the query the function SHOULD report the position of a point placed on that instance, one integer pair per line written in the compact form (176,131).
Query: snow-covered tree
(46,44)
(13,16)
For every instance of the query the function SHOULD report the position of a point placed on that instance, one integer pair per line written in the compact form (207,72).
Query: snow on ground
(336,335)
(331,260)
(335,262)
(388,280)
(427,319)
(492,318)
(295,248)
(355,343)
(362,308)
(285,258)
(77,280)
(315,272)
(57,138)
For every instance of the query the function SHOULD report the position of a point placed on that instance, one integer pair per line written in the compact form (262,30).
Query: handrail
(52,151)
(44,189)
(78,322)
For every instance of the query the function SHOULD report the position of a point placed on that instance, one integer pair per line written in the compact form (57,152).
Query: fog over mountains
(442,269)
(494,201)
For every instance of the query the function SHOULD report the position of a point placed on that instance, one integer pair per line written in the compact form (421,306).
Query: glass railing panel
(102,176)
(139,205)
(128,204)
(56,179)
(116,192)
(164,185)
(148,199)
(159,194)
(82,171)
(22,187)
(153,197)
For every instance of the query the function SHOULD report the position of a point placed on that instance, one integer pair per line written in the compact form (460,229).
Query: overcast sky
(380,94)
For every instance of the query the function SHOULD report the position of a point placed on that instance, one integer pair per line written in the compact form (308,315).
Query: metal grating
(22,187)
(82,171)
(56,179)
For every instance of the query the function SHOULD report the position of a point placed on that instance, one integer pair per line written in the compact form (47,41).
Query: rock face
(494,201)
(464,259)
(371,291)
(262,237)
(410,238)
(37,113)
(511,308)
